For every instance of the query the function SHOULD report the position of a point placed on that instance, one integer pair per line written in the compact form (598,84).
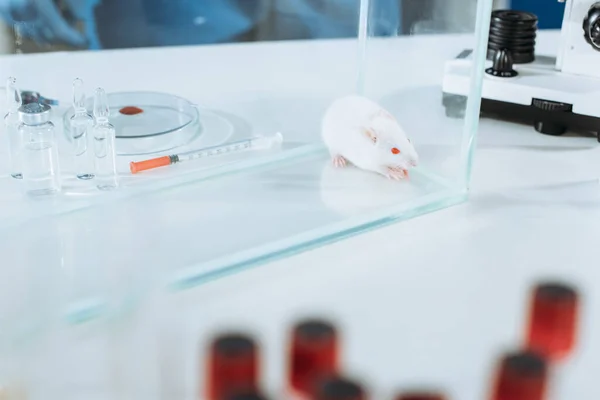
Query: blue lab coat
(142,23)
(133,23)
(334,18)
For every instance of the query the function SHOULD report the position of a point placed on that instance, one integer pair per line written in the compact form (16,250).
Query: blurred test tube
(521,376)
(553,320)
(339,388)
(314,353)
(233,366)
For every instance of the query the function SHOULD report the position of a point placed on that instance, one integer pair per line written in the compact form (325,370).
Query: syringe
(254,143)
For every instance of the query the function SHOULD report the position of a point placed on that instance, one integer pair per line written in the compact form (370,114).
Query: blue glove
(41,20)
(83,10)
(198,21)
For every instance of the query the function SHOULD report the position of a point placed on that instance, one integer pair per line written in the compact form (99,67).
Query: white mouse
(359,131)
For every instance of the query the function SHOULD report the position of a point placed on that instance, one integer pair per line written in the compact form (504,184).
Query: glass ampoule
(11,125)
(81,123)
(104,144)
(41,170)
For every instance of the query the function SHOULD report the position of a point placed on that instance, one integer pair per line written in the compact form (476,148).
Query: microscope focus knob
(591,26)
(502,65)
(546,123)
(548,105)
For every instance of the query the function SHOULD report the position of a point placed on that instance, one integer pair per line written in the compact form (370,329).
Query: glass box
(204,77)
(218,73)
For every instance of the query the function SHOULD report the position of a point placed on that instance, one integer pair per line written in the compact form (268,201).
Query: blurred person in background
(324,19)
(95,24)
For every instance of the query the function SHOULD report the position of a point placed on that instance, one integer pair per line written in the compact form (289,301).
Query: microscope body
(579,47)
(554,94)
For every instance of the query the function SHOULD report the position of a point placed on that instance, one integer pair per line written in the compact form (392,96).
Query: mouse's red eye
(395,150)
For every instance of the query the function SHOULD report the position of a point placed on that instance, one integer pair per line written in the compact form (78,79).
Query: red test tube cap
(313,354)
(247,396)
(552,327)
(233,366)
(337,388)
(521,376)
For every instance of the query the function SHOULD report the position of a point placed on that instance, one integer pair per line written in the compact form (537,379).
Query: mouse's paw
(396,173)
(339,161)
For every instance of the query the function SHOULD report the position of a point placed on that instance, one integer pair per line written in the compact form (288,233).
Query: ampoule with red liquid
(313,354)
(233,366)
(521,376)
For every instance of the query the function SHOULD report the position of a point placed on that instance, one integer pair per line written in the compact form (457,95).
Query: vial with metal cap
(11,125)
(41,170)
(81,123)
(105,151)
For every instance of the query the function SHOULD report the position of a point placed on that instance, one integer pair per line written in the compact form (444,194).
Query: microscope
(554,95)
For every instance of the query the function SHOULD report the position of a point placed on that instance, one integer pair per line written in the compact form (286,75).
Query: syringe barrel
(139,166)
(266,142)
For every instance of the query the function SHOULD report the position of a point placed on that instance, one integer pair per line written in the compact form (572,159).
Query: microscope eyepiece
(513,32)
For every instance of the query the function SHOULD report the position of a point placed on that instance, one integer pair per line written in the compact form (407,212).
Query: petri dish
(148,122)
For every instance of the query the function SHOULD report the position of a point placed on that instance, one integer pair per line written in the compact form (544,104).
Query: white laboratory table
(433,300)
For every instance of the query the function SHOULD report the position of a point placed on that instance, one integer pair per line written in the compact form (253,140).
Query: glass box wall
(226,151)
(209,105)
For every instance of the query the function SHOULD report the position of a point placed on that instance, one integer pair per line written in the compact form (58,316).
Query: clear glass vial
(104,144)
(81,123)
(41,170)
(11,125)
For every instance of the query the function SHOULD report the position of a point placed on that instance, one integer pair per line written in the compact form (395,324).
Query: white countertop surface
(433,300)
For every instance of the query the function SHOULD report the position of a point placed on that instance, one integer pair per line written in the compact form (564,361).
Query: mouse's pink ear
(370,133)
